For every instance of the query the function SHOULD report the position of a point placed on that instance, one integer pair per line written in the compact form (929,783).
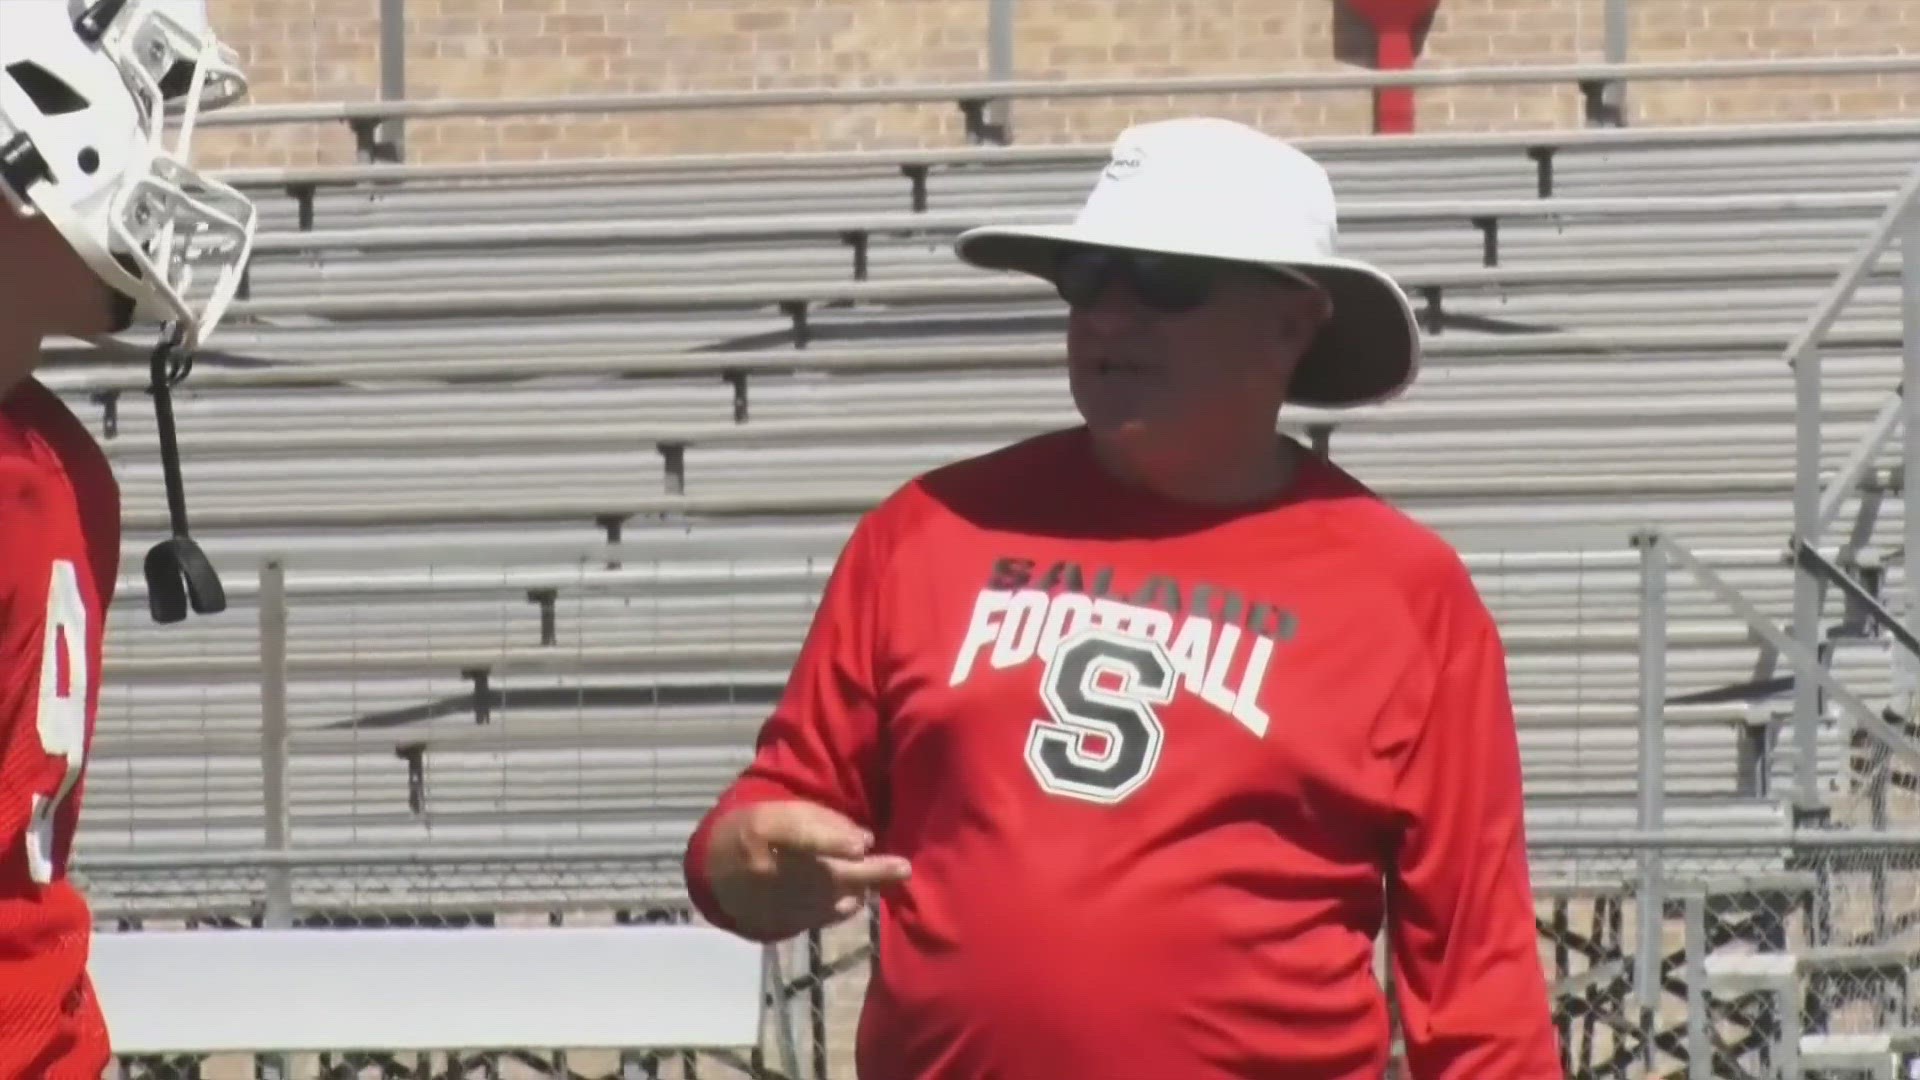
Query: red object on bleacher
(1393,22)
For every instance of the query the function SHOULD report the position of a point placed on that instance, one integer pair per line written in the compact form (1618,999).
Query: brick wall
(295,51)
(328,50)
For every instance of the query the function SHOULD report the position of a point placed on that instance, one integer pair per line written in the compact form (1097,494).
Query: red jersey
(1162,772)
(59,554)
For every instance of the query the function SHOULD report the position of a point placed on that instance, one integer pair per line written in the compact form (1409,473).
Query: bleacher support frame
(1815,688)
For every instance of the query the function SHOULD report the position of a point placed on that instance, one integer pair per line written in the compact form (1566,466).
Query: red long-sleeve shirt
(59,552)
(1151,764)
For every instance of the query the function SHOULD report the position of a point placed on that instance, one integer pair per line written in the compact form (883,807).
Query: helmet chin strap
(178,572)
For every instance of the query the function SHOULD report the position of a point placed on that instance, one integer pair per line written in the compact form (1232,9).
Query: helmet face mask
(158,47)
(82,126)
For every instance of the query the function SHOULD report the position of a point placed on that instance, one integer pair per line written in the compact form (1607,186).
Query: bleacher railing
(1817,502)
(1540,148)
(366,118)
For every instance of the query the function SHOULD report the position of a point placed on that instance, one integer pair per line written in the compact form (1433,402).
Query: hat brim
(1367,353)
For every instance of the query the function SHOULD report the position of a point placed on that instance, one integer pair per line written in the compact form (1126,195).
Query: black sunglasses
(1169,283)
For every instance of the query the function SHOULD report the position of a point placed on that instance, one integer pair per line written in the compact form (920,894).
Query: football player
(102,224)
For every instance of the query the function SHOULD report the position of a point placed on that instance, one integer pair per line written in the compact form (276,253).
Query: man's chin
(1129,425)
(1138,438)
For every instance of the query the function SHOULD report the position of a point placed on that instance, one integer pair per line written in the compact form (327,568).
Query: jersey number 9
(62,712)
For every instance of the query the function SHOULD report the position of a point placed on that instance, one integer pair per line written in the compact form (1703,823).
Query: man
(1141,730)
(99,224)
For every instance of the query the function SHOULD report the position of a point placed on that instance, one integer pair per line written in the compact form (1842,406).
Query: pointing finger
(873,872)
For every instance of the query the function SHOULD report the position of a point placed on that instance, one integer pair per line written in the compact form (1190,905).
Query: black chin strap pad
(179,574)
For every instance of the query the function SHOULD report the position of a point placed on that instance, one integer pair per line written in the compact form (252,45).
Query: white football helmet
(86,90)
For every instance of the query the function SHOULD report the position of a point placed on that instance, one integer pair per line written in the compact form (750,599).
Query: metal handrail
(1801,838)
(769,227)
(577,566)
(1326,147)
(955,288)
(1782,839)
(1856,271)
(116,365)
(1808,558)
(374,855)
(450,427)
(1805,661)
(1885,422)
(989,91)
(596,500)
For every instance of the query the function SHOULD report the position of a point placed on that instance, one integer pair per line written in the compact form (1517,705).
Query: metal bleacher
(556,467)
(1507,445)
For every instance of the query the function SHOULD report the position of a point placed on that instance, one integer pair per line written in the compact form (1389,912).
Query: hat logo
(1125,163)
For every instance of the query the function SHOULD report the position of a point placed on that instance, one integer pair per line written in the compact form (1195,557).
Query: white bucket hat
(1217,189)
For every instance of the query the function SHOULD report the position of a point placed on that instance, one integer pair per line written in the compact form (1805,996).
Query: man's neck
(1262,472)
(19,356)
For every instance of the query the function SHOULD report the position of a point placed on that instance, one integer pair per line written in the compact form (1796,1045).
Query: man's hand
(782,868)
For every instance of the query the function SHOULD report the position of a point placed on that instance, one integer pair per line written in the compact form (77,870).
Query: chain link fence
(1765,956)
(450,1065)
(1775,955)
